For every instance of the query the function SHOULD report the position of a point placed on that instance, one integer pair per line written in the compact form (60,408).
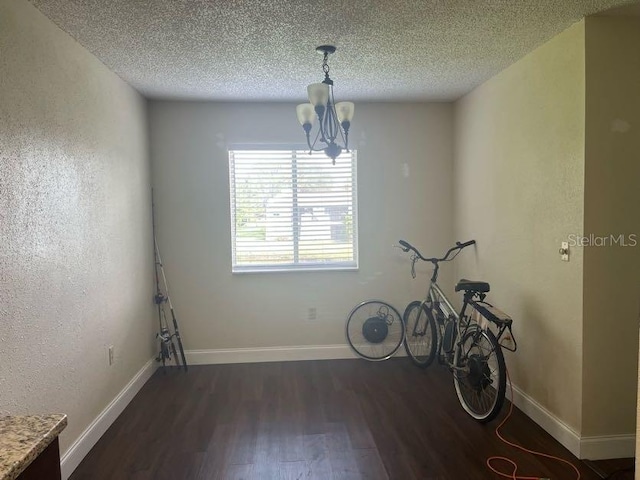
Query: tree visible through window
(292,211)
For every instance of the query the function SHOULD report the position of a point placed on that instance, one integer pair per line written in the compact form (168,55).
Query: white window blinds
(292,211)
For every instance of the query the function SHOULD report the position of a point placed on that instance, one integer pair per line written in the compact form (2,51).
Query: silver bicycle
(462,341)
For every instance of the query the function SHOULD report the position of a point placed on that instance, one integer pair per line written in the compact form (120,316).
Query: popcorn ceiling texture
(75,231)
(403,50)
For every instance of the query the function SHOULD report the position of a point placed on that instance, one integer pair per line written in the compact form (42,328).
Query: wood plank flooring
(336,419)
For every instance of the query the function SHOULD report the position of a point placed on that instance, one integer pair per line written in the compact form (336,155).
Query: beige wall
(519,190)
(189,144)
(638,428)
(612,184)
(75,256)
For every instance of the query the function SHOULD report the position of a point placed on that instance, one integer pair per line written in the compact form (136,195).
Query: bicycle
(463,341)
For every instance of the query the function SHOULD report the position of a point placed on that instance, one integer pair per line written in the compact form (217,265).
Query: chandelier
(334,118)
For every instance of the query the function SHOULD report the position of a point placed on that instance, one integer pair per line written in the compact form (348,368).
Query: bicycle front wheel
(479,374)
(421,340)
(375,330)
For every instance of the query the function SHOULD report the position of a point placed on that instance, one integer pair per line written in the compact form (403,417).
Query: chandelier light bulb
(318,94)
(306,113)
(345,111)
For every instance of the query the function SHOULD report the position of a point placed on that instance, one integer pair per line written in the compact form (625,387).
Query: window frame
(295,266)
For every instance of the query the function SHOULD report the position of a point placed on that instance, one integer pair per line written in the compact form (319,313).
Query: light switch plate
(564,251)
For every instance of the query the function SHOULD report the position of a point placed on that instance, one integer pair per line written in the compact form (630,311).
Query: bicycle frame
(435,293)
(435,300)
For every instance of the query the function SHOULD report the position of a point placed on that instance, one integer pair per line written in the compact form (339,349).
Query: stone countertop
(23,438)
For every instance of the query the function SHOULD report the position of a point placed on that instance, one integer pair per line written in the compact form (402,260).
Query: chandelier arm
(309,143)
(328,124)
(312,146)
(322,131)
(337,129)
(343,135)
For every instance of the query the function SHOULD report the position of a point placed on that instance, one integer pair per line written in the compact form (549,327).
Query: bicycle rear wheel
(421,337)
(375,330)
(479,374)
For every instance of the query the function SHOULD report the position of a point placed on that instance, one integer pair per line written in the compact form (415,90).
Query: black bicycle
(463,341)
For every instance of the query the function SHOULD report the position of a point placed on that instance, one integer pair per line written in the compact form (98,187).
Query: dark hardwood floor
(337,419)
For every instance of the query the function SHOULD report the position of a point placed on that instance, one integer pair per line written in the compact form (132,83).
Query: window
(292,211)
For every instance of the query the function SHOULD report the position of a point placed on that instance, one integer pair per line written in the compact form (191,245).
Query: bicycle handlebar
(406,246)
(465,244)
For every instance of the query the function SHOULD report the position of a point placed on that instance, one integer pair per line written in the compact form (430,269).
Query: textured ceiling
(263,50)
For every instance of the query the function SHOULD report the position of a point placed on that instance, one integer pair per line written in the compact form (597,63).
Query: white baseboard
(611,446)
(85,442)
(547,420)
(592,448)
(268,354)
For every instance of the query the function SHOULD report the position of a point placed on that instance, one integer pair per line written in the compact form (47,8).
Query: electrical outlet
(312,314)
(111,358)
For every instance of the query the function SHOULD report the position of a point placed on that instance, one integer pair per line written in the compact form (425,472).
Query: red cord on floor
(513,464)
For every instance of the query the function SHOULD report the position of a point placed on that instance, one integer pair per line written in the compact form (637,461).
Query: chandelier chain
(325,64)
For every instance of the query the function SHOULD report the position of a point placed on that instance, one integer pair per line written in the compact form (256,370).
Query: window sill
(295,269)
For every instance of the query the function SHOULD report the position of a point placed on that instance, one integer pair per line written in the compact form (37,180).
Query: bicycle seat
(472,286)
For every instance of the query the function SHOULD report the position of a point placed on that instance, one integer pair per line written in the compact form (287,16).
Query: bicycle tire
(367,334)
(421,334)
(479,375)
